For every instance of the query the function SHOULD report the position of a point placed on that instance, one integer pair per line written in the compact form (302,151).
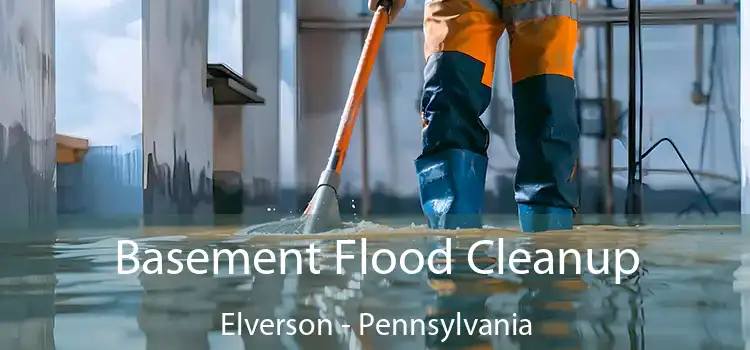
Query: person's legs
(460,43)
(544,35)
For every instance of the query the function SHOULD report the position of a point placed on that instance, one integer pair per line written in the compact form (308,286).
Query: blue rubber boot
(536,218)
(451,188)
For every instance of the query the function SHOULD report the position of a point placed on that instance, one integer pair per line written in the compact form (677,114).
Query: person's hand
(396,7)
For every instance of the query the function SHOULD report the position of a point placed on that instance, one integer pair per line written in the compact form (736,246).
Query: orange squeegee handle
(357,89)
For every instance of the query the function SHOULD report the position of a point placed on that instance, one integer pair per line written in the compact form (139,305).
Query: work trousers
(460,45)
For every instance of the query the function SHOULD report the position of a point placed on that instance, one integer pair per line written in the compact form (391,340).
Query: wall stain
(228,198)
(260,191)
(169,197)
(28,192)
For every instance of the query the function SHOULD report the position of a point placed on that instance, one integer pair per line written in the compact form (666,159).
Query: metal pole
(605,146)
(366,200)
(698,97)
(633,201)
(365,194)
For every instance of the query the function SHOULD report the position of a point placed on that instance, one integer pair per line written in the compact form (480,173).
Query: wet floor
(70,296)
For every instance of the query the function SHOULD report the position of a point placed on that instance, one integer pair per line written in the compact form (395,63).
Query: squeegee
(322,212)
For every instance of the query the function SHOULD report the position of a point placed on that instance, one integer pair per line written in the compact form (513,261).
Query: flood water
(68,295)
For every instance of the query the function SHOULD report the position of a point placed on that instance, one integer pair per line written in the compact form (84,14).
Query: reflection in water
(684,301)
(27,297)
(184,302)
(550,303)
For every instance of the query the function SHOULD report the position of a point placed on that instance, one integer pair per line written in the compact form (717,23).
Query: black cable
(693,205)
(687,168)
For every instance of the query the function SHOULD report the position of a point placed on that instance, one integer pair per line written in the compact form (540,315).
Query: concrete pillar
(288,104)
(260,47)
(177,113)
(27,118)
(270,130)
(742,275)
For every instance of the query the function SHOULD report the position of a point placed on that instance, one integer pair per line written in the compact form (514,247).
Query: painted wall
(27,119)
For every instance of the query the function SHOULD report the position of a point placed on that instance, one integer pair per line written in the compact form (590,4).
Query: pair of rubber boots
(451,191)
